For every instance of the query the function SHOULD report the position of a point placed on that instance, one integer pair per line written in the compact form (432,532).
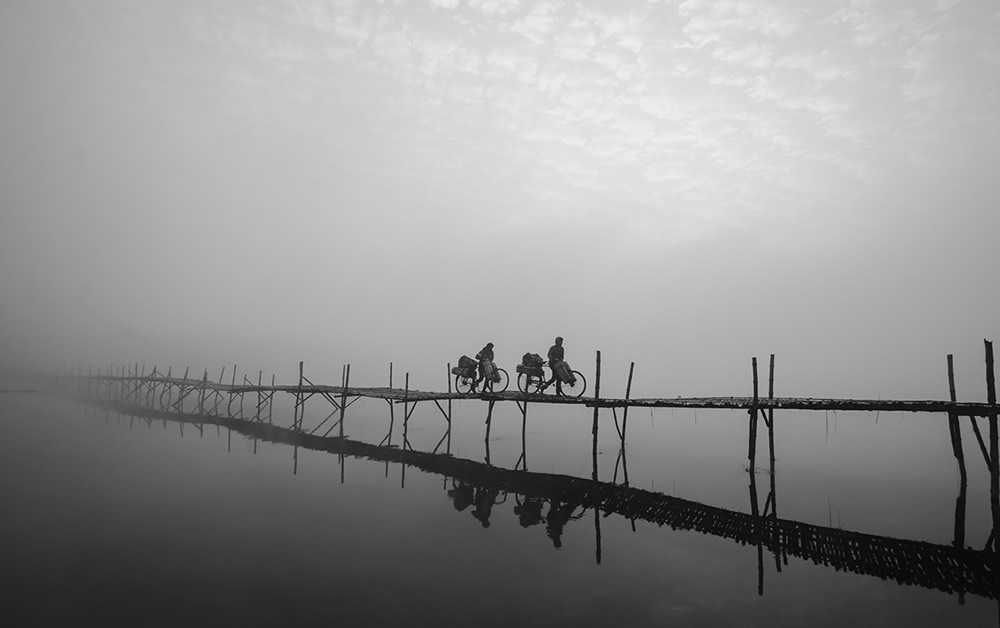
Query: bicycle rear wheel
(577,389)
(463,384)
(528,383)
(499,387)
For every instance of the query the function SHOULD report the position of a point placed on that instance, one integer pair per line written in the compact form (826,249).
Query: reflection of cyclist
(555,357)
(485,499)
(556,519)
(461,495)
(486,368)
(529,512)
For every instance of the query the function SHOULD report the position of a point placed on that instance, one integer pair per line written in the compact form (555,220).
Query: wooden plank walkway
(964,408)
(909,562)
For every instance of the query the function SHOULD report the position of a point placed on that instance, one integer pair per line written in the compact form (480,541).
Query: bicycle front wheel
(576,389)
(500,386)
(463,384)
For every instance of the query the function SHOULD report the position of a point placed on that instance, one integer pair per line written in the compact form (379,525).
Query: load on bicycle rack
(470,372)
(531,376)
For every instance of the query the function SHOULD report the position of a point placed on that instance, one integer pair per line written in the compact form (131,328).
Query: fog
(365,183)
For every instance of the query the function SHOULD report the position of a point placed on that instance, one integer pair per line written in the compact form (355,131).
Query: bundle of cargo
(564,373)
(466,366)
(531,364)
(532,359)
(490,371)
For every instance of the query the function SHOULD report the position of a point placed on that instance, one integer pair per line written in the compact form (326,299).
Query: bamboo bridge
(223,403)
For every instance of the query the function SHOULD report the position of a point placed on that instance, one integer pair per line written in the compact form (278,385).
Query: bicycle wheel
(523,381)
(499,387)
(528,383)
(463,384)
(577,389)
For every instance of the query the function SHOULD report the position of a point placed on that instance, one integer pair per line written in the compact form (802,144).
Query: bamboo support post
(953,424)
(628,395)
(752,449)
(270,403)
(489,425)
(448,378)
(201,393)
(956,445)
(392,420)
(406,412)
(597,407)
(991,398)
(343,398)
(229,406)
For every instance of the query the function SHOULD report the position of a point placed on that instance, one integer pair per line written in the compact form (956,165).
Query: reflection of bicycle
(532,379)
(465,379)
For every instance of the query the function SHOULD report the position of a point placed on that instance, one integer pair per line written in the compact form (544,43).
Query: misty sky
(680,183)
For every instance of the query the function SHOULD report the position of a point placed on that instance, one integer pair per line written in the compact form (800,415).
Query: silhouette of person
(555,355)
(485,500)
(461,495)
(529,512)
(486,370)
(557,518)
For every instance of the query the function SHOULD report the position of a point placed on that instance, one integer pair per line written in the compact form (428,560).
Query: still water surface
(116,520)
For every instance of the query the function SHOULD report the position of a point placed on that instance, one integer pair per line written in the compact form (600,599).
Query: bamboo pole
(628,395)
(956,445)
(201,393)
(343,397)
(448,378)
(953,423)
(392,419)
(406,413)
(299,401)
(770,431)
(752,449)
(597,399)
(991,398)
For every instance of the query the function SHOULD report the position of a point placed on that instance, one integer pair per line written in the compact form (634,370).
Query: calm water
(117,520)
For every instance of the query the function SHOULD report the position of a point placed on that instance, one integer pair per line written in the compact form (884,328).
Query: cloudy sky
(680,183)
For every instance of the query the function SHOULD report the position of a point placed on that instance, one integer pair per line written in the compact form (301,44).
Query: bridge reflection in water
(481,486)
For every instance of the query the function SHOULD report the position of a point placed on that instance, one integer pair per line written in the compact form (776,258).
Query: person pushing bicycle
(486,367)
(556,355)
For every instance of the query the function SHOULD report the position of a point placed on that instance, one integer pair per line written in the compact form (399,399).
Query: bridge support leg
(522,461)
(489,424)
(956,447)
(343,410)
(392,421)
(597,409)
(752,449)
(448,446)
(991,398)
(772,497)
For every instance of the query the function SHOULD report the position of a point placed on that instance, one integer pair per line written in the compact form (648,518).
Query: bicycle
(465,379)
(531,379)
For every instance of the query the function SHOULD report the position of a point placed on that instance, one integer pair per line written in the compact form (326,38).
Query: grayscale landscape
(245,247)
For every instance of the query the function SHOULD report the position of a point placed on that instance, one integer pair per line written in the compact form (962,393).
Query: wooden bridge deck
(732,403)
(935,566)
